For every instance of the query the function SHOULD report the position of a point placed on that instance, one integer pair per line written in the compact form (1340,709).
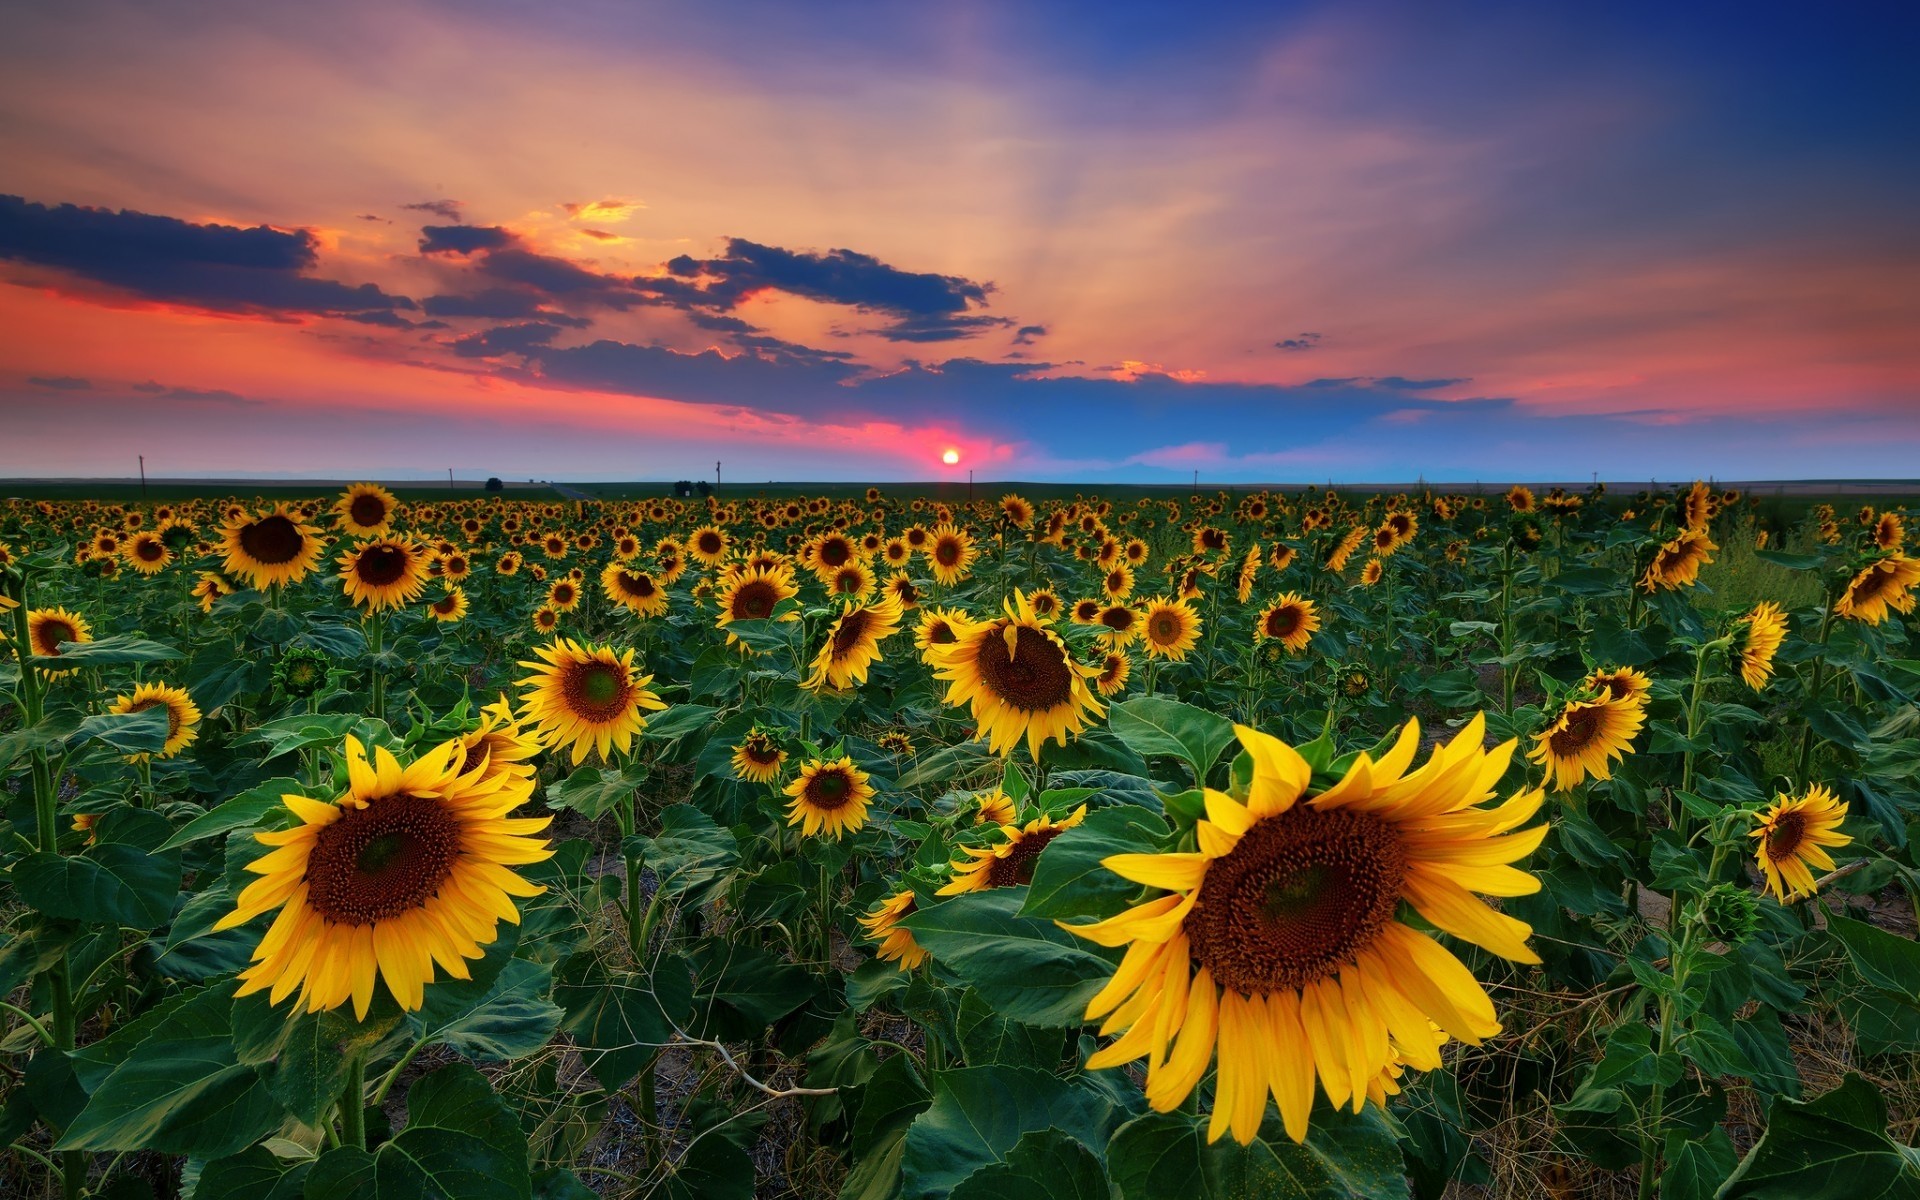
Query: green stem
(376,645)
(143,770)
(1656,1105)
(353,1102)
(1506,628)
(29,1018)
(393,1076)
(1813,693)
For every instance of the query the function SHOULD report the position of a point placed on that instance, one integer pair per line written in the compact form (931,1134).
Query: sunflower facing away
(1171,628)
(384,573)
(1278,942)
(1795,835)
(183,716)
(408,868)
(1290,620)
(1018,678)
(1677,563)
(758,758)
(366,510)
(1766,628)
(853,644)
(586,697)
(270,548)
(1584,737)
(829,798)
(883,925)
(1009,862)
(1882,587)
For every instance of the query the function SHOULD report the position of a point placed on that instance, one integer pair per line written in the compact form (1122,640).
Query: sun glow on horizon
(951,457)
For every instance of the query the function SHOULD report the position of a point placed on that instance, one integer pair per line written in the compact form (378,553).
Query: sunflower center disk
(272,541)
(1034,677)
(852,627)
(380,862)
(1300,895)
(829,790)
(1580,730)
(1786,835)
(754,602)
(596,691)
(367,511)
(1016,869)
(381,565)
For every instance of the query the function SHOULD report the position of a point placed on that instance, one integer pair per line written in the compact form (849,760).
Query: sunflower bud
(1730,914)
(301,672)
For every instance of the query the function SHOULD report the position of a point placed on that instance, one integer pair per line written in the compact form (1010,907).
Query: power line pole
(716,477)
(449,478)
(969,485)
(143,479)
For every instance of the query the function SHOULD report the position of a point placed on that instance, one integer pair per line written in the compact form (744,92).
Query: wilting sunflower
(586,697)
(633,589)
(883,925)
(951,552)
(498,746)
(1018,678)
(366,510)
(758,758)
(1794,836)
(147,553)
(1171,628)
(1584,737)
(753,595)
(995,808)
(853,644)
(1879,588)
(829,797)
(1009,862)
(450,608)
(408,868)
(1622,683)
(1766,628)
(1290,620)
(1279,940)
(48,627)
(1114,669)
(183,716)
(384,573)
(269,548)
(1677,563)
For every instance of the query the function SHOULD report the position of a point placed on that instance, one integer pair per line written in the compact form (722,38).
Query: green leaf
(594,791)
(1045,1164)
(1068,880)
(311,1066)
(1696,1166)
(1885,960)
(742,989)
(620,1020)
(502,1019)
(111,884)
(1833,1148)
(461,1143)
(1166,1154)
(679,721)
(303,730)
(255,1173)
(1793,562)
(1155,725)
(118,651)
(140,732)
(885,1108)
(978,1116)
(1030,970)
(943,765)
(987,1037)
(240,812)
(691,849)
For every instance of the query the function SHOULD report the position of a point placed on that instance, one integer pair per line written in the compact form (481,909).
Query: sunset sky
(1271,242)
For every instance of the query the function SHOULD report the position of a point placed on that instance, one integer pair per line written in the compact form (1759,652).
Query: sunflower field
(1257,845)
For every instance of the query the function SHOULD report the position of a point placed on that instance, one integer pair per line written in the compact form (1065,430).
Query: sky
(1128,242)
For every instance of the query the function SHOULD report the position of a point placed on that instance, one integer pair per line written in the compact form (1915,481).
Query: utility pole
(449,478)
(716,477)
(969,485)
(143,479)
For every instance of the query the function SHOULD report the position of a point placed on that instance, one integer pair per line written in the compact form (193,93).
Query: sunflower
(1045,602)
(1114,669)
(563,595)
(498,746)
(1766,628)
(753,595)
(408,868)
(896,553)
(1372,572)
(508,564)
(1622,683)
(47,628)
(1117,583)
(1890,532)
(1172,628)
(758,758)
(709,545)
(902,588)
(1278,941)
(1584,737)
(1291,620)
(829,797)
(1879,587)
(586,697)
(147,553)
(883,925)
(633,589)
(951,552)
(1085,612)
(1019,679)
(1121,623)
(183,716)
(269,548)
(1343,553)
(939,627)
(453,566)
(896,742)
(856,580)
(450,608)
(1794,836)
(1010,861)
(1520,498)
(545,620)
(853,644)
(1015,510)
(366,510)
(1677,563)
(995,808)
(1249,573)
(385,572)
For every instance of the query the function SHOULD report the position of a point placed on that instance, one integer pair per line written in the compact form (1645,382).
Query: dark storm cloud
(462,239)
(60,383)
(506,339)
(838,277)
(558,277)
(220,267)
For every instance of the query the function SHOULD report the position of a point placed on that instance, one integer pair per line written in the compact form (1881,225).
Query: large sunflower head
(633,589)
(1121,623)
(1794,836)
(829,798)
(410,867)
(270,548)
(586,697)
(1584,738)
(951,552)
(882,925)
(1278,941)
(384,573)
(1290,620)
(1170,628)
(1879,588)
(853,644)
(1019,679)
(758,758)
(366,510)
(1009,862)
(47,628)
(183,716)
(1764,629)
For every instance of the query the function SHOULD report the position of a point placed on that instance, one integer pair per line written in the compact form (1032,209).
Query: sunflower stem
(1813,691)
(353,1102)
(376,646)
(143,770)
(1506,627)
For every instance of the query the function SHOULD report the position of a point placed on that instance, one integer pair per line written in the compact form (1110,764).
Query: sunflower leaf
(1030,970)
(241,812)
(979,1116)
(1167,1154)
(1155,725)
(1831,1148)
(1068,880)
(1045,1164)
(119,651)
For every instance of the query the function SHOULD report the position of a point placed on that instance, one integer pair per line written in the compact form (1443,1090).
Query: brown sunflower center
(367,511)
(382,565)
(272,540)
(637,585)
(1582,726)
(380,862)
(52,633)
(484,749)
(761,751)
(754,600)
(150,549)
(1282,621)
(1296,899)
(562,592)
(1167,628)
(446,604)
(1118,619)
(173,717)
(1016,868)
(710,543)
(830,789)
(1035,677)
(834,552)
(940,634)
(1788,832)
(853,628)
(848,582)
(946,551)
(596,691)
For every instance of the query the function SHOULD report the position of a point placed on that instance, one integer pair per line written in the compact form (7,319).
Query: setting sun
(951,457)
